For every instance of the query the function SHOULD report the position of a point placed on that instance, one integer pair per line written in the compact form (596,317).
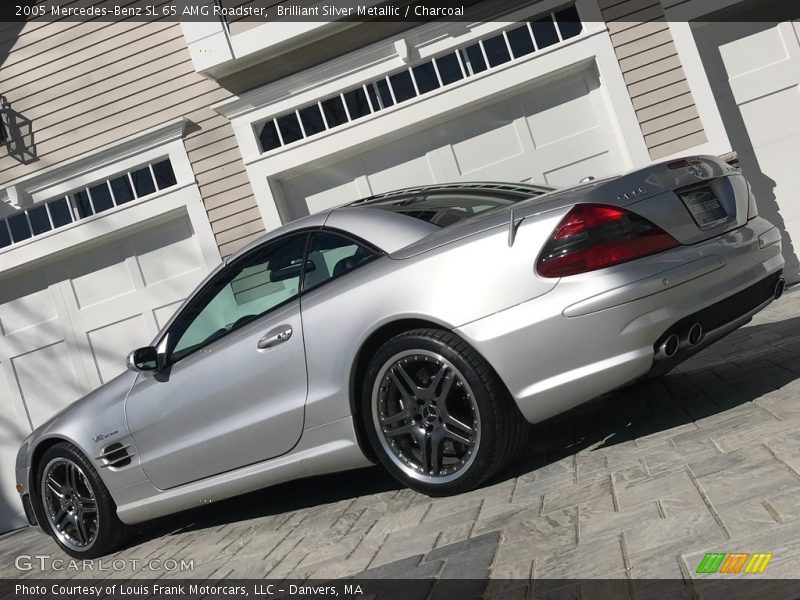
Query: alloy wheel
(426,416)
(70,504)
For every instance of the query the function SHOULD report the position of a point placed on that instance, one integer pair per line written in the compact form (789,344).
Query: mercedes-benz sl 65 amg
(422,329)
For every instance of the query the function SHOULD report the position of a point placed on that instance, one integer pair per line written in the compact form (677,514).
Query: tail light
(595,236)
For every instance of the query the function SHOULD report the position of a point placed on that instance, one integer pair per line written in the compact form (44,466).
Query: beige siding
(84,85)
(654,75)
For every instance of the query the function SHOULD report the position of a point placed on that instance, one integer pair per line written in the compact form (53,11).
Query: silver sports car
(422,329)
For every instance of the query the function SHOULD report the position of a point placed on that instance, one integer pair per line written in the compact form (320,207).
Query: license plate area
(704,206)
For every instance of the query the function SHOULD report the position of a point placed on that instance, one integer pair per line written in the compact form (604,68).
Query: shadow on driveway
(738,369)
(279,499)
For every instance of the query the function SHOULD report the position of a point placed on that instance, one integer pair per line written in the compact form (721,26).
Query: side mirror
(143,359)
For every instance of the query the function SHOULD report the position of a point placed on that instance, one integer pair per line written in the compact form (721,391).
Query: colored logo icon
(734,562)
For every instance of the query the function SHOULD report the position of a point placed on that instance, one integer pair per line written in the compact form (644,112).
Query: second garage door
(556,134)
(754,70)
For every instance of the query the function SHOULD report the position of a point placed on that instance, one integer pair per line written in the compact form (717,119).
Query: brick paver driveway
(639,483)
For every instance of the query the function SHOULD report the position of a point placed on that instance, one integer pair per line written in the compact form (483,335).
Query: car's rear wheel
(437,415)
(78,511)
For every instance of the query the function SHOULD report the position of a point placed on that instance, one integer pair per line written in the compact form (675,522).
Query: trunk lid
(693,199)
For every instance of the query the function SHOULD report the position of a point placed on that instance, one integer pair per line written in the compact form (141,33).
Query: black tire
(502,428)
(108,532)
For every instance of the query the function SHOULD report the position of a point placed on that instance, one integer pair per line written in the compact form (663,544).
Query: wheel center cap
(430,414)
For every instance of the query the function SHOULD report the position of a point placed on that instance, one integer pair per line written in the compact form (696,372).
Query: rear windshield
(447,209)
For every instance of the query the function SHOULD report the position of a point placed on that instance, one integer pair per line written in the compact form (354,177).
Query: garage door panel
(578,148)
(488,128)
(772,159)
(572,174)
(554,151)
(25,303)
(31,338)
(168,253)
(391,165)
(518,168)
(385,176)
(162,314)
(99,277)
(12,410)
(560,112)
(46,381)
(753,49)
(320,195)
(760,83)
(759,117)
(14,426)
(321,189)
(108,343)
(169,290)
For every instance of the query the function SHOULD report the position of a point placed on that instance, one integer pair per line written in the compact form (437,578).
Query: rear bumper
(598,331)
(720,319)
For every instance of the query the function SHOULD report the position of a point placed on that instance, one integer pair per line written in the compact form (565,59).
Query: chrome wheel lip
(78,504)
(416,473)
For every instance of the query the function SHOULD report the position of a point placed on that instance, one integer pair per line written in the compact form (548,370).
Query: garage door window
(517,41)
(86,202)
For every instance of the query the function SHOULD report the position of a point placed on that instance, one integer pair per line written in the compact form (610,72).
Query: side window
(331,255)
(241,292)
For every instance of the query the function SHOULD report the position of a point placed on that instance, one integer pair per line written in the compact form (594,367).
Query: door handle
(274,337)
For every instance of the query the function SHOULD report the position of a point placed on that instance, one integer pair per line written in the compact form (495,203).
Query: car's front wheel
(76,507)
(437,415)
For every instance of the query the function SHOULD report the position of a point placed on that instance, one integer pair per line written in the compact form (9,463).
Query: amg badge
(104,436)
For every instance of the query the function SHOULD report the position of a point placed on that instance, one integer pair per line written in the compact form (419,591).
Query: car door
(234,388)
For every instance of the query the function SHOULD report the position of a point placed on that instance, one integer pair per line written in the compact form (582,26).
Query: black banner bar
(414,11)
(741,587)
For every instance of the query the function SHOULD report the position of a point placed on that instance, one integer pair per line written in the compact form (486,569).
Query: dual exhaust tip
(780,286)
(693,334)
(687,338)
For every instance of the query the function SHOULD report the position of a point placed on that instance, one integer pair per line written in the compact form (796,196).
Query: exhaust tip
(669,347)
(695,334)
(780,286)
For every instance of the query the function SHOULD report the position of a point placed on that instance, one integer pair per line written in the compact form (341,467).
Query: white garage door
(754,69)
(556,133)
(66,327)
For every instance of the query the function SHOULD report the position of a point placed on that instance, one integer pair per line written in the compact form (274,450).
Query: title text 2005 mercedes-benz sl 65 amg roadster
(422,329)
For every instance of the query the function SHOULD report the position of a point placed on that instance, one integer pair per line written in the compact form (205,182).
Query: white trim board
(382,57)
(104,163)
(97,228)
(22,191)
